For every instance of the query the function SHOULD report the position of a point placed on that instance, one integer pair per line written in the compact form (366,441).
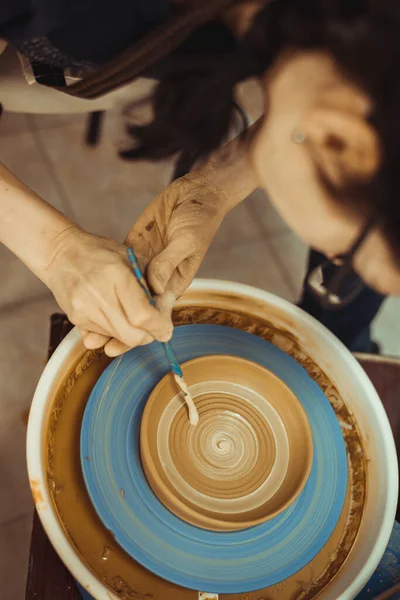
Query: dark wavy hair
(194,105)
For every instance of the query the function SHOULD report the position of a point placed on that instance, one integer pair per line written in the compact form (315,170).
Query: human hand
(173,234)
(170,240)
(92,281)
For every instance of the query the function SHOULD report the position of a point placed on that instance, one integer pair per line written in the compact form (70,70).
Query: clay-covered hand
(171,238)
(174,232)
(92,281)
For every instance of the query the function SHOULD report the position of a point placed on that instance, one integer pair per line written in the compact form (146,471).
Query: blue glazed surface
(231,562)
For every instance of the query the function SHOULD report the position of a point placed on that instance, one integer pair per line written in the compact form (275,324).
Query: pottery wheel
(174,549)
(246,460)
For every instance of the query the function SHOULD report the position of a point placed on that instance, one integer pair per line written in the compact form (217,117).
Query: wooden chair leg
(93,129)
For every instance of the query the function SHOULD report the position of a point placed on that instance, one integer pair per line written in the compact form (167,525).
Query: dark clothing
(90,31)
(352,323)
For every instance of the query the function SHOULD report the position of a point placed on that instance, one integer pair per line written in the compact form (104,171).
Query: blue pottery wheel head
(222,562)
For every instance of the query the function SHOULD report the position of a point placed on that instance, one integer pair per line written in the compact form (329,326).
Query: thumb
(163,266)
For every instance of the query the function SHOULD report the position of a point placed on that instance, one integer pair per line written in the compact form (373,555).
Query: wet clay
(88,536)
(246,460)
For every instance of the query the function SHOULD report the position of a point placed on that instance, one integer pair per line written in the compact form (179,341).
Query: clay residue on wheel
(37,493)
(78,369)
(124,576)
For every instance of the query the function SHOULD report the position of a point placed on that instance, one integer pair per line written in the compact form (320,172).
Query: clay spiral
(245,461)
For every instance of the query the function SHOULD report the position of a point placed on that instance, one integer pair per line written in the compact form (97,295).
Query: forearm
(229,170)
(29,226)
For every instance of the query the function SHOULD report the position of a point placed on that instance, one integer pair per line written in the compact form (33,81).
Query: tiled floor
(106,195)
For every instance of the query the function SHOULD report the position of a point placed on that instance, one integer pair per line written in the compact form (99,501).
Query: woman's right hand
(93,283)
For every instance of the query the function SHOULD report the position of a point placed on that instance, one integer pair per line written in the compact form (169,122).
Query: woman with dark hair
(327,151)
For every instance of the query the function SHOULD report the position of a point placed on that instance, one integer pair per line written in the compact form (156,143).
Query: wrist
(59,251)
(216,193)
(30,227)
(229,171)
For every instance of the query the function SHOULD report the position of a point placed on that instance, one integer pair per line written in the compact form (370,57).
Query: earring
(298,136)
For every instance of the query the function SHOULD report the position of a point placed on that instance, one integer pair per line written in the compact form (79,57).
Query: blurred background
(106,195)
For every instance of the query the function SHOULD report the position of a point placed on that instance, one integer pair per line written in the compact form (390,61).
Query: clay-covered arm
(229,170)
(175,231)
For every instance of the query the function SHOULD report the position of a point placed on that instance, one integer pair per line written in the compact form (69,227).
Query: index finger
(136,312)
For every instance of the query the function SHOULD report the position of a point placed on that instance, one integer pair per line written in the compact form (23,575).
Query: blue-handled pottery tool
(172,359)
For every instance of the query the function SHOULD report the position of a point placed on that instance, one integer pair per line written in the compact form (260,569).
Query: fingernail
(166,337)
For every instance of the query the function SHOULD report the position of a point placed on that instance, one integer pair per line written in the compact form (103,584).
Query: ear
(342,144)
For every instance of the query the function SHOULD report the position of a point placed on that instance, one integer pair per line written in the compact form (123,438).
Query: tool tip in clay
(193,413)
